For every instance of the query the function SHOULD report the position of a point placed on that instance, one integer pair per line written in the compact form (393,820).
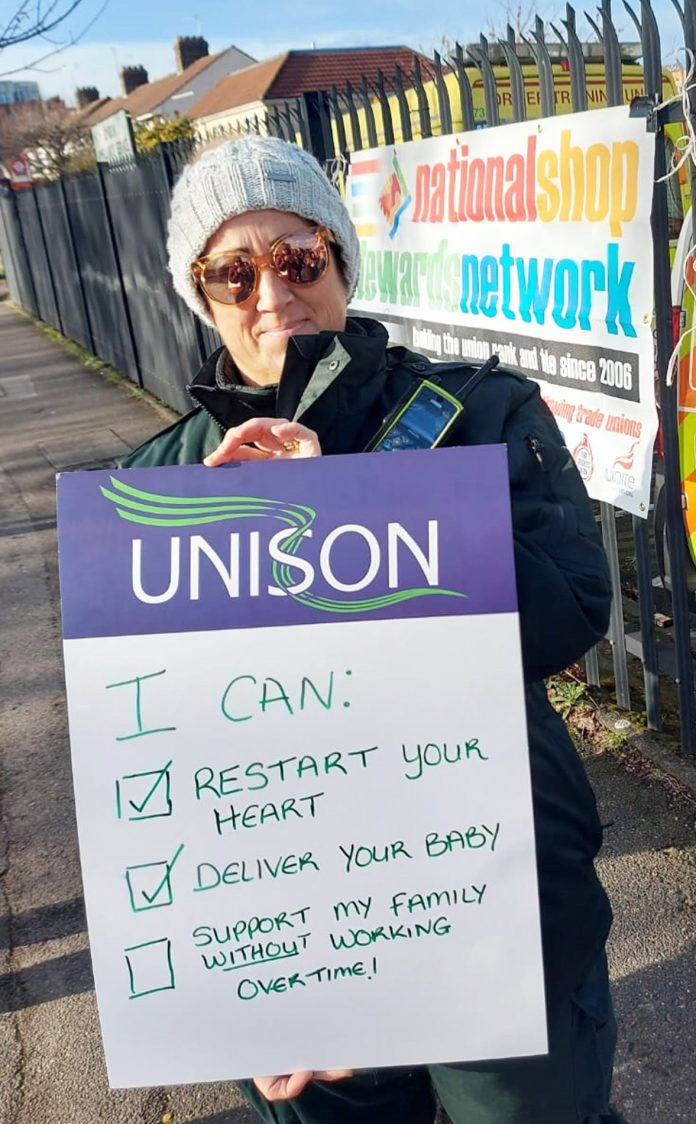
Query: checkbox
(144,796)
(150,967)
(149,884)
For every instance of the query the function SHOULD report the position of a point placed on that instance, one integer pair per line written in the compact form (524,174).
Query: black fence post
(370,124)
(576,61)
(119,273)
(323,117)
(542,59)
(340,126)
(425,124)
(49,267)
(465,96)
(649,657)
(443,100)
(354,119)
(18,223)
(617,630)
(509,49)
(387,122)
(78,269)
(490,91)
(612,53)
(404,108)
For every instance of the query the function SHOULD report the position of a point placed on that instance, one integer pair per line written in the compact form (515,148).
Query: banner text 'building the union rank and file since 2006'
(530,241)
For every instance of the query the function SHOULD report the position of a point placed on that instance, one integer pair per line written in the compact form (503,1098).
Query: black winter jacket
(343,385)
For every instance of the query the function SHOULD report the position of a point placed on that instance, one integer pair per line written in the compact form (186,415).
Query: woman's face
(256,333)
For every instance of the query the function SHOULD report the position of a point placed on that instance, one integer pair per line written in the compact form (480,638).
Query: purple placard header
(188,548)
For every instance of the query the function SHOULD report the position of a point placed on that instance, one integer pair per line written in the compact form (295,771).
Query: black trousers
(569,1085)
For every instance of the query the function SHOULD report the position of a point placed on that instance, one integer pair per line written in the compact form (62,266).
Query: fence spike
(466,100)
(490,94)
(340,125)
(387,122)
(544,66)
(426,129)
(443,100)
(613,74)
(576,59)
(354,119)
(509,49)
(404,110)
(370,124)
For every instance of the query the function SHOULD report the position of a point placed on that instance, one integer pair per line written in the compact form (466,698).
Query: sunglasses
(233,277)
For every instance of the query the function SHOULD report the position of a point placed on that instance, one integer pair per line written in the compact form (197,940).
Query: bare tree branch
(24,25)
(34,65)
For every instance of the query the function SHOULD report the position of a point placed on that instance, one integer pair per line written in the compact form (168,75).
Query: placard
(299,751)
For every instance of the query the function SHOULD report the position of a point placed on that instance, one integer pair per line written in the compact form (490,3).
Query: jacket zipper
(536,448)
(205,410)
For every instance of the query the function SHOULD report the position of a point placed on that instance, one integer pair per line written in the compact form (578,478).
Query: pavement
(54,415)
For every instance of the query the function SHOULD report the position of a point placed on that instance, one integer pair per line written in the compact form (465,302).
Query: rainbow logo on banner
(394,197)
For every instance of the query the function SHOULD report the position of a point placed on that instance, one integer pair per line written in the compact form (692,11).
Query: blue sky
(127,32)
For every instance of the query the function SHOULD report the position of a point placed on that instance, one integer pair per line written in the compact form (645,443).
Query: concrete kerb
(644,752)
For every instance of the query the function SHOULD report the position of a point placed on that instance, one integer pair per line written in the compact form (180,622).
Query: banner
(304,816)
(532,241)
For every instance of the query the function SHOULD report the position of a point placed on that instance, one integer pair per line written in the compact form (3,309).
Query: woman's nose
(271,292)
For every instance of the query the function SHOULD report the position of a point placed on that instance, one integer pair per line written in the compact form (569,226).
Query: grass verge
(101,367)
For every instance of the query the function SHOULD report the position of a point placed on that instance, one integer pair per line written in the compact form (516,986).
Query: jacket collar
(323,374)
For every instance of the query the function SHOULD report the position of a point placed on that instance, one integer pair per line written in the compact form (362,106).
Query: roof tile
(242,87)
(298,72)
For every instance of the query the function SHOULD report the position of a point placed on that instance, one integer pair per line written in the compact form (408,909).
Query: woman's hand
(263,439)
(290,1085)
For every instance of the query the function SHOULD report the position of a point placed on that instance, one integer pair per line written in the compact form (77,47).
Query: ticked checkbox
(150,967)
(150,885)
(144,796)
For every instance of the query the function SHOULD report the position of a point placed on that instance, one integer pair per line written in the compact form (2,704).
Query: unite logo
(620,472)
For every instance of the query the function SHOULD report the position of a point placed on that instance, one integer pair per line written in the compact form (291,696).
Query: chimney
(132,77)
(85,95)
(188,49)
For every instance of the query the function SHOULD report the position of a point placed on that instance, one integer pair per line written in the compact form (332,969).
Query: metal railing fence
(87,255)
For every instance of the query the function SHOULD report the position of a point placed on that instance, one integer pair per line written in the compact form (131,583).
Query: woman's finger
(297,440)
(284,1087)
(239,437)
(243,453)
(263,438)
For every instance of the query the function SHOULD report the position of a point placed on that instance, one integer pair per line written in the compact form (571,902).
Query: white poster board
(300,765)
(531,241)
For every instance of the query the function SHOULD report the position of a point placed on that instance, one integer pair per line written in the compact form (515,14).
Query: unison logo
(246,554)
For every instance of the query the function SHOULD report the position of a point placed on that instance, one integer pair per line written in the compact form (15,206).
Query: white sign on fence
(532,241)
(113,139)
(304,813)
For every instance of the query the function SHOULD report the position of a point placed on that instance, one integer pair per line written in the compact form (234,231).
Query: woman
(262,247)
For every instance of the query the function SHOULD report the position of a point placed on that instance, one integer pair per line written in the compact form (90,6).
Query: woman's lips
(295,327)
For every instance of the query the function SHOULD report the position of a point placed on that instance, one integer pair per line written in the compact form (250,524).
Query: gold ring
(291,446)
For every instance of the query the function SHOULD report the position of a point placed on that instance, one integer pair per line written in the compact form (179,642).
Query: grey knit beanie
(251,174)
